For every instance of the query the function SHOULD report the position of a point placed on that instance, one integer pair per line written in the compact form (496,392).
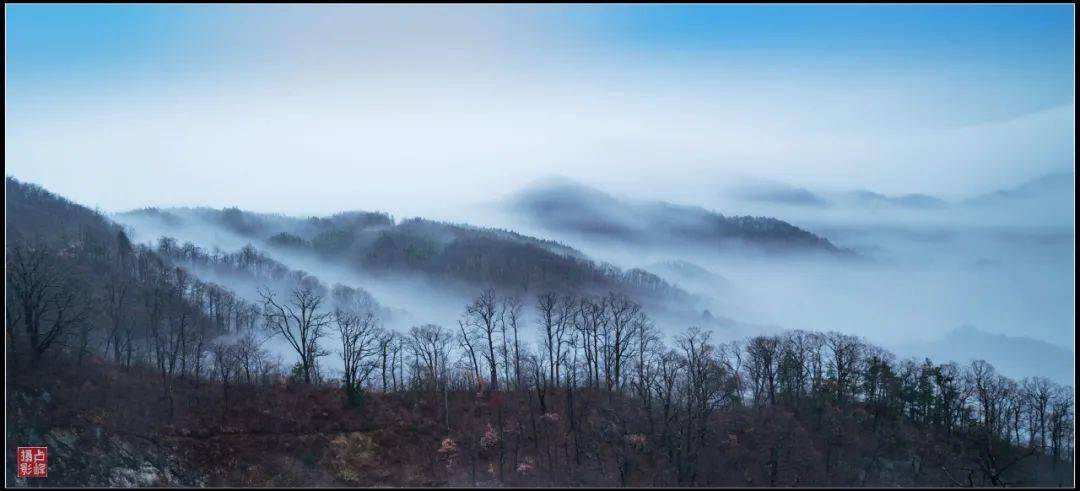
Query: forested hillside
(135,371)
(579,210)
(452,254)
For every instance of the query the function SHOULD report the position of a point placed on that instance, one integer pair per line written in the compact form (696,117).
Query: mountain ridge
(570,207)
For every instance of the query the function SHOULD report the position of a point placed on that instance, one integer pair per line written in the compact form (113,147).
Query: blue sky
(800,93)
(43,38)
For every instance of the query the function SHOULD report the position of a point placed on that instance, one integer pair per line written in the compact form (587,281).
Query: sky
(417,109)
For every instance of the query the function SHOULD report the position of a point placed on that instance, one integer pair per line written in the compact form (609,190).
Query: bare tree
(480,317)
(389,345)
(1062,421)
(1037,393)
(509,319)
(359,335)
(466,343)
(227,361)
(546,305)
(589,320)
(431,346)
(703,394)
(763,357)
(556,316)
(166,335)
(624,314)
(647,348)
(116,309)
(50,301)
(845,351)
(253,358)
(988,390)
(299,321)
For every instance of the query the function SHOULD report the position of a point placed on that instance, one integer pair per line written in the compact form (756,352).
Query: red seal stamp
(33,461)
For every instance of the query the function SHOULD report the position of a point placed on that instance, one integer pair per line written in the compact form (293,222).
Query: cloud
(420,110)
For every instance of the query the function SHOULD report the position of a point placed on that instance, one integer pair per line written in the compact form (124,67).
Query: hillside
(106,426)
(1049,200)
(454,254)
(871,199)
(576,209)
(1060,185)
(1019,355)
(136,373)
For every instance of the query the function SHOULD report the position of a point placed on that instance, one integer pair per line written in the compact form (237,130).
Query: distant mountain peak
(1053,184)
(570,207)
(780,194)
(911,200)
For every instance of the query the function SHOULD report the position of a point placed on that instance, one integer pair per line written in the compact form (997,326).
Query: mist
(555,245)
(925,160)
(482,101)
(995,264)
(913,286)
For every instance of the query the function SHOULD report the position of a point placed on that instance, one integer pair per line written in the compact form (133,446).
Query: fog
(410,299)
(981,267)
(423,109)
(931,147)
(406,300)
(950,285)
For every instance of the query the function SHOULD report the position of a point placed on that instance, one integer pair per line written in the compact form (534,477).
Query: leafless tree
(1038,392)
(480,318)
(624,313)
(389,346)
(845,351)
(300,321)
(647,348)
(763,357)
(467,344)
(359,335)
(431,347)
(116,309)
(590,319)
(227,361)
(50,301)
(1062,424)
(253,358)
(556,316)
(509,321)
(704,387)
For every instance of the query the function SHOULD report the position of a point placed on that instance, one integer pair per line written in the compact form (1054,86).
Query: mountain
(34,214)
(448,253)
(781,194)
(1055,186)
(1047,201)
(871,199)
(167,380)
(569,207)
(1015,356)
(76,281)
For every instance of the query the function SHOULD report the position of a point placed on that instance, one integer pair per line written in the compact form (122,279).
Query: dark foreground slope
(106,426)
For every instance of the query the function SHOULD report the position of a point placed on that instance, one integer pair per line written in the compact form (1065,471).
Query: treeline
(582,210)
(127,305)
(248,261)
(450,253)
(667,398)
(609,344)
(77,287)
